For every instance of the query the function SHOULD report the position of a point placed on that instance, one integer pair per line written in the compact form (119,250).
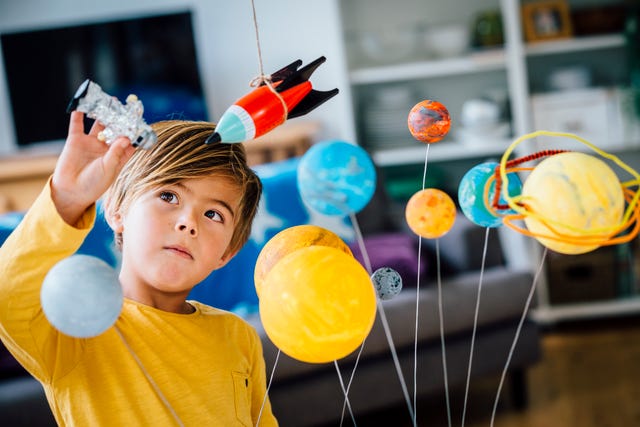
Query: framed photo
(546,20)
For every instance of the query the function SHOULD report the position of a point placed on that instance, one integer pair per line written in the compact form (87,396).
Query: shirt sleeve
(37,244)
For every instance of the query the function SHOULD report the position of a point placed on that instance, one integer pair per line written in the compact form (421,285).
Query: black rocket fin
(310,102)
(301,75)
(285,72)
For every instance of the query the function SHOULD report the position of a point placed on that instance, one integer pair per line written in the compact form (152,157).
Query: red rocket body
(266,108)
(263,109)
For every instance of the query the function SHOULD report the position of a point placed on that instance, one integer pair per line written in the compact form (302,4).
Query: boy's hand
(86,168)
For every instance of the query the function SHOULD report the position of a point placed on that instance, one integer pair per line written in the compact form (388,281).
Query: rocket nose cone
(215,137)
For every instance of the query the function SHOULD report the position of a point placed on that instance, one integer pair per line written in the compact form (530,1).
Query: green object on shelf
(487,29)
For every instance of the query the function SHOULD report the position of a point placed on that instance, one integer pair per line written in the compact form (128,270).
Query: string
(475,324)
(150,379)
(383,320)
(415,338)
(515,339)
(264,78)
(346,393)
(266,393)
(442,344)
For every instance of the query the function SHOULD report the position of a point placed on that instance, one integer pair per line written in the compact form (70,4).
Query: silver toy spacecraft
(118,119)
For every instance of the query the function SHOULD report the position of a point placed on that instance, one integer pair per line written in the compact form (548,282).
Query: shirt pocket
(242,393)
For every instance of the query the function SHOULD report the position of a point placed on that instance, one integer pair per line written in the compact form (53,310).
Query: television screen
(153,57)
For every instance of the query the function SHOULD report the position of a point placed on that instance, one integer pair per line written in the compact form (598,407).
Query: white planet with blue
(471,194)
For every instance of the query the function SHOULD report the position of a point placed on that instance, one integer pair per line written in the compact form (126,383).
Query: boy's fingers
(119,152)
(96,128)
(76,122)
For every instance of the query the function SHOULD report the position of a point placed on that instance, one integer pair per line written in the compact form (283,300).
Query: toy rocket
(261,110)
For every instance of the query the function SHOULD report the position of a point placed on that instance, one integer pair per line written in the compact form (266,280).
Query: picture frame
(546,20)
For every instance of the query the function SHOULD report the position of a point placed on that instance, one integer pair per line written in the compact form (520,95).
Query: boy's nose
(187,223)
(190,229)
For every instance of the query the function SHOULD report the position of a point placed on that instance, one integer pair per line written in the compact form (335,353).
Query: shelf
(441,151)
(615,307)
(490,60)
(575,44)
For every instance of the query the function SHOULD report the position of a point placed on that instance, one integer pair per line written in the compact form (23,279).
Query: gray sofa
(305,394)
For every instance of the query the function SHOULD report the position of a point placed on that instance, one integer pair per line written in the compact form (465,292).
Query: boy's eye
(214,215)
(168,197)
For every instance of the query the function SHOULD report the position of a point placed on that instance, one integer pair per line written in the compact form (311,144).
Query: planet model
(471,194)
(430,213)
(289,240)
(81,296)
(429,121)
(573,200)
(336,178)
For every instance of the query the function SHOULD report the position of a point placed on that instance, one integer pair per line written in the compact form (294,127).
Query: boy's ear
(115,221)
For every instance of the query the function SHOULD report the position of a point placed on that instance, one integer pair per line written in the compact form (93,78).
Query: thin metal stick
(415,337)
(266,393)
(475,324)
(442,344)
(515,340)
(383,319)
(346,393)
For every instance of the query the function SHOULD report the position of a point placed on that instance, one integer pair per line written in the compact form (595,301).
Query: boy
(179,211)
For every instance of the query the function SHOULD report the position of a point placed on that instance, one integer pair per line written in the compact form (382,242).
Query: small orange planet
(430,213)
(429,121)
(289,240)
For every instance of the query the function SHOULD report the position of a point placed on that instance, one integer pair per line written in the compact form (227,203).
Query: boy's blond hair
(181,154)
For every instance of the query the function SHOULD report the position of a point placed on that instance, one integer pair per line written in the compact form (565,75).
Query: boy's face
(175,235)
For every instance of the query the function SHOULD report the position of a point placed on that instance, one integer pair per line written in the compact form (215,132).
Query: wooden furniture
(23,176)
(289,140)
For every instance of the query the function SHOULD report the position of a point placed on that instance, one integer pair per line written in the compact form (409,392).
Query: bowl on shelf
(446,40)
(483,136)
(388,45)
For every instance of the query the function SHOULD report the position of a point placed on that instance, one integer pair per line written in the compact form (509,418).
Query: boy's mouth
(180,251)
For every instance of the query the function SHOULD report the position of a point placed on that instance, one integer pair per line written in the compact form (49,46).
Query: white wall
(226,47)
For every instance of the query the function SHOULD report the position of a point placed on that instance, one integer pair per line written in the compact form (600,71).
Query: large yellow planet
(317,304)
(289,240)
(572,196)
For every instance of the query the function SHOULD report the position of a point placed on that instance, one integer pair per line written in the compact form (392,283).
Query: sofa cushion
(395,250)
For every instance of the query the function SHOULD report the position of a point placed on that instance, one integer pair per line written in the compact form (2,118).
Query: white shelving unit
(575,45)
(512,63)
(470,64)
(587,310)
(437,152)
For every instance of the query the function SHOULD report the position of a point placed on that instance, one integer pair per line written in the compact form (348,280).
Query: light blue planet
(336,178)
(81,296)
(471,193)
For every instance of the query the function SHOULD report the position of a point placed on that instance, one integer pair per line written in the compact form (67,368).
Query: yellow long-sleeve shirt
(207,365)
